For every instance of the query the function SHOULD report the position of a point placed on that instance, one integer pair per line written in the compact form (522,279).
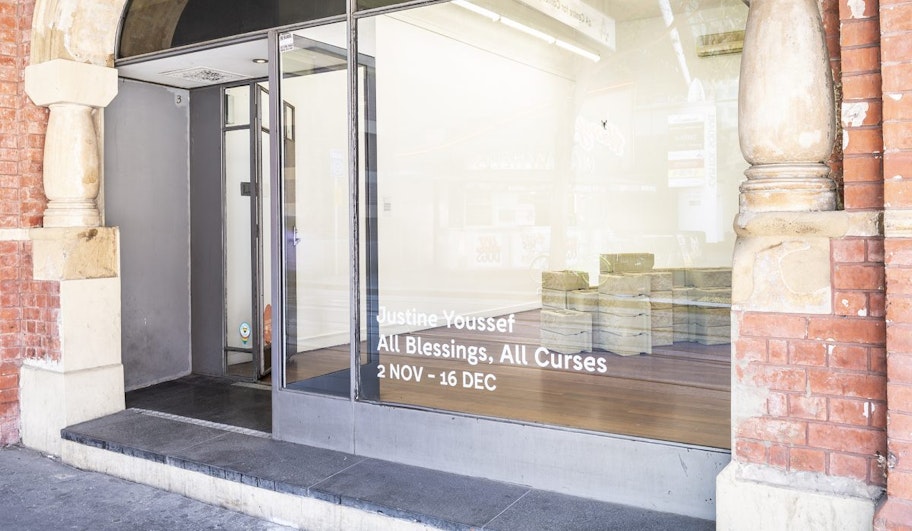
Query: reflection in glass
(552,237)
(316,205)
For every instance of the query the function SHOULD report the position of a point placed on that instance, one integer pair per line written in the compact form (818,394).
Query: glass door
(248,316)
(315,209)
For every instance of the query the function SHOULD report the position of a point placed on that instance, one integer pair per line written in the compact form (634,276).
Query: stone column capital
(61,81)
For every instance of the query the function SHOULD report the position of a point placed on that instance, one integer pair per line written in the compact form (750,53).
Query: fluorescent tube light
(577,50)
(527,30)
(494,17)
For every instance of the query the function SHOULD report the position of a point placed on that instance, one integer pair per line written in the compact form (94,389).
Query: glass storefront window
(549,190)
(315,209)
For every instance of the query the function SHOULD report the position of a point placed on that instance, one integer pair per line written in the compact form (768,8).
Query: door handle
(295,238)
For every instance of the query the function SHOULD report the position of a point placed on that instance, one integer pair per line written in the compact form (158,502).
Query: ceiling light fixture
(260,61)
(577,50)
(494,17)
(510,23)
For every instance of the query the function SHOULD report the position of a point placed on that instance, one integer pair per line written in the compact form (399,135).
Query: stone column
(83,378)
(786,116)
(72,91)
(782,285)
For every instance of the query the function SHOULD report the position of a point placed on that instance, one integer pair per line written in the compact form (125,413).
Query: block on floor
(624,306)
(584,300)
(612,284)
(710,277)
(565,280)
(626,262)
(661,300)
(662,337)
(711,335)
(623,324)
(555,299)
(624,345)
(567,343)
(570,321)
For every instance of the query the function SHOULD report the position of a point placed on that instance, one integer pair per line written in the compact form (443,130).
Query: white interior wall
(238,270)
(321,174)
(492,167)
(483,152)
(465,135)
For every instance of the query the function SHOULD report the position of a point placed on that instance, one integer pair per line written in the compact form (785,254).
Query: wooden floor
(679,393)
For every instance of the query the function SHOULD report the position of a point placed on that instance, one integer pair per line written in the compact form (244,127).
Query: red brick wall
(823,378)
(896,55)
(28,309)
(860,82)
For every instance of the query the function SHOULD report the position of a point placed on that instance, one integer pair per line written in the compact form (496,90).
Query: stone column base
(51,399)
(745,504)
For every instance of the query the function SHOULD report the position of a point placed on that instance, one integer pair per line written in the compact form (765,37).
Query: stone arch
(83,31)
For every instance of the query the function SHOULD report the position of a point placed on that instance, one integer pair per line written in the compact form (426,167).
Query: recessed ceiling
(202,68)
(236,61)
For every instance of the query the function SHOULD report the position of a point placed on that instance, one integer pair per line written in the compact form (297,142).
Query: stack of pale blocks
(703,306)
(629,280)
(565,329)
(624,319)
(635,307)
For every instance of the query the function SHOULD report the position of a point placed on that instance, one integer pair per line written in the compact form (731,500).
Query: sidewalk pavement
(39,493)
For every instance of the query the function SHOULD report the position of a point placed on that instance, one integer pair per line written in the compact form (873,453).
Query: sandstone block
(626,262)
(711,335)
(624,345)
(611,284)
(628,306)
(714,277)
(682,332)
(623,324)
(661,300)
(565,280)
(659,280)
(584,300)
(662,337)
(710,317)
(567,343)
(552,298)
(678,276)
(566,321)
(710,298)
(662,319)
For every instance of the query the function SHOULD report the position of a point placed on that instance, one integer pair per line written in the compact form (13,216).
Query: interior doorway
(220,196)
(187,178)
(246,163)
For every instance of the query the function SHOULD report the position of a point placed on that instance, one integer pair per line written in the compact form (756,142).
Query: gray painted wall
(146,194)
(207,253)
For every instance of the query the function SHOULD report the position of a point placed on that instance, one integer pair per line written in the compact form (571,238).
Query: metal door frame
(258,218)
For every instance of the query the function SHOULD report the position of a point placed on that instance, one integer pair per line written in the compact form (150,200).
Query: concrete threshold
(313,488)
